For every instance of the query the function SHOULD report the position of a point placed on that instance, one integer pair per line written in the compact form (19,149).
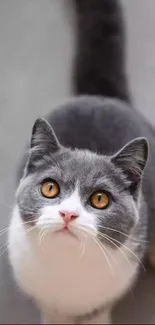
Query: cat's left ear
(132,159)
(43,142)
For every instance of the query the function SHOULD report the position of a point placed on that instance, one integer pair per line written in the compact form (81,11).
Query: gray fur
(119,175)
(97,139)
(105,125)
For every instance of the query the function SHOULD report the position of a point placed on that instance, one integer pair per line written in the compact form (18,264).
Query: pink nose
(68,216)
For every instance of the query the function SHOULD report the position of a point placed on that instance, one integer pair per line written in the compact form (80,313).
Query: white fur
(58,274)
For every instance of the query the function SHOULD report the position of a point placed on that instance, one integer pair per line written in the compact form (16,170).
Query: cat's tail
(99,66)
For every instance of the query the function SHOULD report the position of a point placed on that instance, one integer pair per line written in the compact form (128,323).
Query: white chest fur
(59,277)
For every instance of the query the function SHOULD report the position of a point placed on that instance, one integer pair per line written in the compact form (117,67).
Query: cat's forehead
(82,162)
(80,158)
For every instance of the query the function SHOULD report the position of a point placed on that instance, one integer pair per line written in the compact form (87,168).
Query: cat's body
(76,273)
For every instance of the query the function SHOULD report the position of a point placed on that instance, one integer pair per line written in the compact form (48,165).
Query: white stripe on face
(50,214)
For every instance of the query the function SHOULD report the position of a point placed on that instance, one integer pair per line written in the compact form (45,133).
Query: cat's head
(79,191)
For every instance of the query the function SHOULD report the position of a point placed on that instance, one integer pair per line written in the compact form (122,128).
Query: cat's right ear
(43,142)
(43,136)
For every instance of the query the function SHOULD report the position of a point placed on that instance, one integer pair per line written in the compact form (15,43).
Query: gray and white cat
(79,224)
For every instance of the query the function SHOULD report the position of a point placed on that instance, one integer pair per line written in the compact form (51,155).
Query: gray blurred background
(36,50)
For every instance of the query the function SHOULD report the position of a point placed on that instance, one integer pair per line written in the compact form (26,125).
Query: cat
(79,226)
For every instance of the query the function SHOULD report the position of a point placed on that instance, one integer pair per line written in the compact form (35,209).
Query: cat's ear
(131,159)
(43,136)
(43,143)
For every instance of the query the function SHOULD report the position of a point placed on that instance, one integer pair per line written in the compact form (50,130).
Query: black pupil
(50,186)
(99,196)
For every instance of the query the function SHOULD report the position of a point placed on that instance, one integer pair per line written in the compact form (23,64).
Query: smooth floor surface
(36,48)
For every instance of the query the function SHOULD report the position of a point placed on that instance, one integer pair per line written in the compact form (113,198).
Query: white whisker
(110,239)
(83,246)
(140,262)
(4,230)
(10,243)
(101,246)
(40,235)
(122,233)
(121,251)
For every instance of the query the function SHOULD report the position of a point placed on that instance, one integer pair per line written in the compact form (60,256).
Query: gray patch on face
(93,173)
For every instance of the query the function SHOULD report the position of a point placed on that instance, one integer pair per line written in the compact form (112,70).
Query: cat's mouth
(66,230)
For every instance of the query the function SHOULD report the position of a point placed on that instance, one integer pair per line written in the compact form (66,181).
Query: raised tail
(99,66)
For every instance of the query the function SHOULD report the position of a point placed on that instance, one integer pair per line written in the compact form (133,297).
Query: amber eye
(100,200)
(50,189)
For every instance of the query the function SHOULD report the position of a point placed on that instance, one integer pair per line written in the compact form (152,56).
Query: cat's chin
(70,239)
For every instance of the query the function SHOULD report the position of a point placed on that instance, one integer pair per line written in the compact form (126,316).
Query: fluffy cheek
(117,222)
(50,218)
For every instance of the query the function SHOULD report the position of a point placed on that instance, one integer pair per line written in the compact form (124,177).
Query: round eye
(50,189)
(100,200)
